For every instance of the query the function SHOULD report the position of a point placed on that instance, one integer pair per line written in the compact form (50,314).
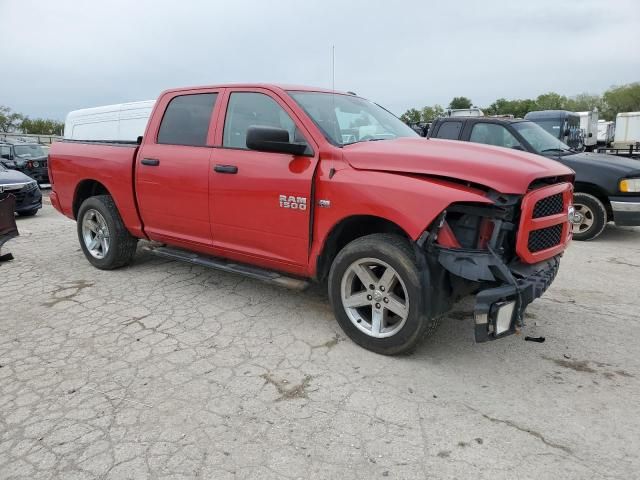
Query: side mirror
(271,139)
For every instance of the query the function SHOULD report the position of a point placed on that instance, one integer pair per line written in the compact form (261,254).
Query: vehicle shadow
(614,233)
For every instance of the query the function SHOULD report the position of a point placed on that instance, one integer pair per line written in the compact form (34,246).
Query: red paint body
(183,202)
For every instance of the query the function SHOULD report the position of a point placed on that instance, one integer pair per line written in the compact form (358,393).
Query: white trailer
(627,130)
(589,127)
(120,122)
(606,130)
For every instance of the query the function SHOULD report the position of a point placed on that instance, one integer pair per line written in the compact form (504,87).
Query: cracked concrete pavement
(168,370)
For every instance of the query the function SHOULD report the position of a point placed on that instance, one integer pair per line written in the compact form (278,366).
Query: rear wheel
(376,294)
(103,237)
(591,216)
(28,213)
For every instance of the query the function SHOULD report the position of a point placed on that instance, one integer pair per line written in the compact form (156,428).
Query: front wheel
(591,216)
(103,237)
(377,296)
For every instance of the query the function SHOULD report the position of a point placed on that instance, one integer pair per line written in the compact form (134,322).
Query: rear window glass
(186,120)
(449,130)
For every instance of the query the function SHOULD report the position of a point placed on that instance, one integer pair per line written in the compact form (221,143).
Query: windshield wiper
(559,150)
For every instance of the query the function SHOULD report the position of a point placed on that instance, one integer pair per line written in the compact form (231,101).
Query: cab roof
(269,86)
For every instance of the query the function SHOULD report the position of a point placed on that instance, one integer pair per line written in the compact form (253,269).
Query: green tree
(429,114)
(623,98)
(461,102)
(42,126)
(517,108)
(584,102)
(411,116)
(9,120)
(551,101)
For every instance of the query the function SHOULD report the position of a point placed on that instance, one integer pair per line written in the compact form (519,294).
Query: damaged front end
(508,253)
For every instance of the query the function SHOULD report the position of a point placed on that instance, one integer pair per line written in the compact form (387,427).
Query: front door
(172,174)
(261,201)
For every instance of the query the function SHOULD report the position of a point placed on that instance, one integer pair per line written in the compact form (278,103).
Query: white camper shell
(589,127)
(627,129)
(464,112)
(120,122)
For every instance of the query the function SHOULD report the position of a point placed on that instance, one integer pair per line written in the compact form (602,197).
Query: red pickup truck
(290,184)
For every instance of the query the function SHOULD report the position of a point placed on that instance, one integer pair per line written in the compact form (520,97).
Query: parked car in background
(607,188)
(292,184)
(562,124)
(589,127)
(28,198)
(606,131)
(421,128)
(28,158)
(123,121)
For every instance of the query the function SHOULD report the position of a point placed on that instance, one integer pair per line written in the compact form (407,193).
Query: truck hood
(621,165)
(498,168)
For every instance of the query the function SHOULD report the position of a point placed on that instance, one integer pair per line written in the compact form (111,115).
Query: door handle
(152,162)
(226,169)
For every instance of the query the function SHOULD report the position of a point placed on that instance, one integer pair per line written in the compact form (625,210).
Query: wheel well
(348,230)
(87,189)
(599,193)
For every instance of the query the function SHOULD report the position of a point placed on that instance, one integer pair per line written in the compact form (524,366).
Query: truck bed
(109,163)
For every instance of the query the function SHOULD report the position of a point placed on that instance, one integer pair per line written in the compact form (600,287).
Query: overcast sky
(63,55)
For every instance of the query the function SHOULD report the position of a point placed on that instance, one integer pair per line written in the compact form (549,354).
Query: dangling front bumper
(499,311)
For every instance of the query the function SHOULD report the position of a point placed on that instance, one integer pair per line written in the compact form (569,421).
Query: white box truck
(627,130)
(606,131)
(589,127)
(123,121)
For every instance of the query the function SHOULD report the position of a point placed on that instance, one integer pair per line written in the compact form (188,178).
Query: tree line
(11,121)
(623,98)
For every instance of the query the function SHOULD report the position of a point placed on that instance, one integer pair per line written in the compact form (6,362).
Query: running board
(228,266)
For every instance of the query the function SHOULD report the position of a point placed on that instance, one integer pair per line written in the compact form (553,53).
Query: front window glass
(29,151)
(493,134)
(248,109)
(541,140)
(346,119)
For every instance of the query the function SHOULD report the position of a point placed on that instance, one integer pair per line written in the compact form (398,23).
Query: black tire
(595,209)
(397,253)
(122,246)
(28,213)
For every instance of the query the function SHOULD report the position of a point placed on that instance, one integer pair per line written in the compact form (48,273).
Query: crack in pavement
(531,432)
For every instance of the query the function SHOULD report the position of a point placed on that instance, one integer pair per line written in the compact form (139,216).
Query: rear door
(172,174)
(260,201)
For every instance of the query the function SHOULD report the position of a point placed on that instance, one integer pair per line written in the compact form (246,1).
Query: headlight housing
(630,185)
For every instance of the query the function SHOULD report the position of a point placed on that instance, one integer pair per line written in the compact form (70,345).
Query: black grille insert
(549,206)
(545,238)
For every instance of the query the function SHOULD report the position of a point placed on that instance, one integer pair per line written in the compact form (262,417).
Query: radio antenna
(333,67)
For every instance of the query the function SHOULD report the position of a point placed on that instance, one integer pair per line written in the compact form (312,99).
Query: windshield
(346,119)
(26,151)
(551,126)
(539,138)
